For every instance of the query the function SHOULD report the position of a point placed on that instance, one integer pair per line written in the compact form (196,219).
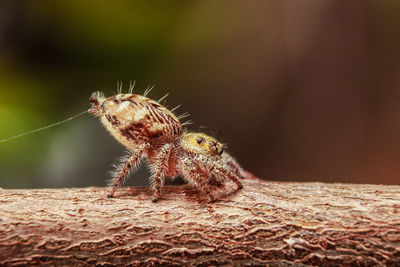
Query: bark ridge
(273,223)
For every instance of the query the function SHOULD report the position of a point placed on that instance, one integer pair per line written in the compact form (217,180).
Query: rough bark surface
(271,223)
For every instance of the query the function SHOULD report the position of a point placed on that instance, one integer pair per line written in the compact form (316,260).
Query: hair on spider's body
(149,130)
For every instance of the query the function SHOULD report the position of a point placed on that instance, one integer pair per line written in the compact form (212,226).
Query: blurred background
(300,90)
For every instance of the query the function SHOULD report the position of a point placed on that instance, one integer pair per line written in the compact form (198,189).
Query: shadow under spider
(176,188)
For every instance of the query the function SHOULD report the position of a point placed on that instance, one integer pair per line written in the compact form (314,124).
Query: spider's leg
(160,167)
(224,172)
(234,165)
(190,172)
(122,170)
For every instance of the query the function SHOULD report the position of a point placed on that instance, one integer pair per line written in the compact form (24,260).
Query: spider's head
(201,143)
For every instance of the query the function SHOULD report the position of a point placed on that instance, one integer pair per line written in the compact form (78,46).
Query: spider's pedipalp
(220,171)
(192,172)
(233,165)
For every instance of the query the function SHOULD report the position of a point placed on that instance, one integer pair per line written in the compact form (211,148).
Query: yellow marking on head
(201,143)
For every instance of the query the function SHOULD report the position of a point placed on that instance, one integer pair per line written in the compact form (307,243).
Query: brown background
(300,90)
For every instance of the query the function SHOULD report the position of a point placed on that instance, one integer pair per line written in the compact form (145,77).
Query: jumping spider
(149,130)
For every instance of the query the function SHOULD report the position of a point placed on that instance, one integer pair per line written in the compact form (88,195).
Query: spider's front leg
(233,165)
(124,168)
(220,170)
(191,172)
(160,168)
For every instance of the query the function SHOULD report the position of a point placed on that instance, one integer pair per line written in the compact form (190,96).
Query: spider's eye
(200,140)
(212,143)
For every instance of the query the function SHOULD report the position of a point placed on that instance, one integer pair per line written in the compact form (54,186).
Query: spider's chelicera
(148,129)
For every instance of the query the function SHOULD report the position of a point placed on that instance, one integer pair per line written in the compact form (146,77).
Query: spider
(149,130)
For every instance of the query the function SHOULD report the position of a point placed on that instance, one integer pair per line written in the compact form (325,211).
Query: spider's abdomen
(133,120)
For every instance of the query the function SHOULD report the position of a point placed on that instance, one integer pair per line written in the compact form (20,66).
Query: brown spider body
(135,120)
(149,130)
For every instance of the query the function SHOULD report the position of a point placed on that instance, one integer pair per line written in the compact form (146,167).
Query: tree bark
(265,223)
